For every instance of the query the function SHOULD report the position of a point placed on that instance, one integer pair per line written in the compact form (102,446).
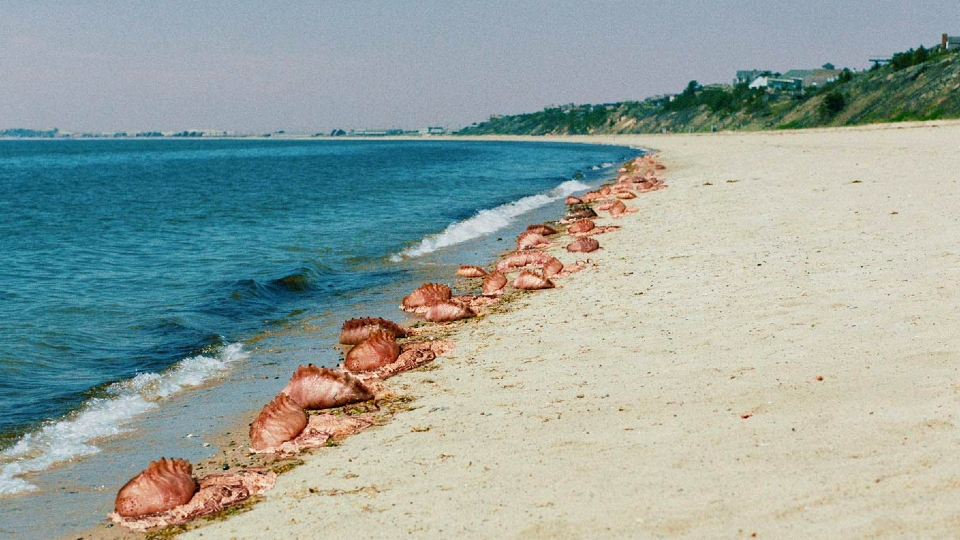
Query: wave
(488,221)
(72,437)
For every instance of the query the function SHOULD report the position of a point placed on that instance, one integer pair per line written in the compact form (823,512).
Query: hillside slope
(926,91)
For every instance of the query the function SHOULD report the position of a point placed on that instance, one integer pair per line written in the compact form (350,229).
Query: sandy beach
(768,348)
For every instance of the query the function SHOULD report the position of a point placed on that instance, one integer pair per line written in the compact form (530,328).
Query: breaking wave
(72,437)
(488,221)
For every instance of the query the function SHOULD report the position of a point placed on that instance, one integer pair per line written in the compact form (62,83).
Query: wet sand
(769,347)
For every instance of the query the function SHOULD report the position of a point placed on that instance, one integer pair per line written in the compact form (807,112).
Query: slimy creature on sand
(163,485)
(316,388)
(583,245)
(468,271)
(543,229)
(532,281)
(376,351)
(494,283)
(531,240)
(447,311)
(280,421)
(354,331)
(426,295)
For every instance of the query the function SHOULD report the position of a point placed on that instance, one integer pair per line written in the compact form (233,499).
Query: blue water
(136,270)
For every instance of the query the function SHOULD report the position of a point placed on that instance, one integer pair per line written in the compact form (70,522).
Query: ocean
(151,288)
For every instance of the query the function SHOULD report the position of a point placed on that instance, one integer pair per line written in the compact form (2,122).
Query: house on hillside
(760,82)
(804,79)
(950,43)
(745,76)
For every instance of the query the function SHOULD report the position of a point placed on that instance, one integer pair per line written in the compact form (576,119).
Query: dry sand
(770,347)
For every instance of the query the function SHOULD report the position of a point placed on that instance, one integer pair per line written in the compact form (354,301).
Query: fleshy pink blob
(427,295)
(280,421)
(378,350)
(315,387)
(545,230)
(531,281)
(448,311)
(471,271)
(356,330)
(163,485)
(530,239)
(494,283)
(583,245)
(581,226)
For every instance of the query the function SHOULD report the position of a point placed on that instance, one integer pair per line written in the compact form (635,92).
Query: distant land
(56,133)
(919,84)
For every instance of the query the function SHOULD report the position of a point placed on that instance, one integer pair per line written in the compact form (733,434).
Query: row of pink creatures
(166,493)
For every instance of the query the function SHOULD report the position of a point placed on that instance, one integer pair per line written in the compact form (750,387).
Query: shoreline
(232,442)
(766,348)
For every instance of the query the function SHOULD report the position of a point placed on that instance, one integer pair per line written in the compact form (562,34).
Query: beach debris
(315,387)
(449,310)
(532,281)
(471,271)
(583,245)
(378,350)
(355,331)
(626,195)
(280,420)
(494,283)
(163,485)
(571,200)
(216,492)
(426,295)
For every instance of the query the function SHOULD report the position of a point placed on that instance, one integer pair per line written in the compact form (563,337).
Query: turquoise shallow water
(134,270)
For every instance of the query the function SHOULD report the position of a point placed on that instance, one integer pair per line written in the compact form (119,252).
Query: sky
(311,66)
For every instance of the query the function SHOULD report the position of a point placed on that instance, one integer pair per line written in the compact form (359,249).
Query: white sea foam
(73,437)
(488,221)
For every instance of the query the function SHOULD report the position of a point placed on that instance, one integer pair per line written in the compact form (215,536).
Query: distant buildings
(795,80)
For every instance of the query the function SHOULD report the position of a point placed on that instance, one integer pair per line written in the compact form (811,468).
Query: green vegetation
(920,84)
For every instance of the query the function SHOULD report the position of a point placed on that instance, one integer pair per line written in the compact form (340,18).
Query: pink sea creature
(582,226)
(626,195)
(552,267)
(427,295)
(494,283)
(315,387)
(591,196)
(163,485)
(378,350)
(580,212)
(447,311)
(530,240)
(583,245)
(280,420)
(216,492)
(532,281)
(471,271)
(521,259)
(356,330)
(541,228)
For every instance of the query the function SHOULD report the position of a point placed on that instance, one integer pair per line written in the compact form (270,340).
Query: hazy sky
(90,65)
